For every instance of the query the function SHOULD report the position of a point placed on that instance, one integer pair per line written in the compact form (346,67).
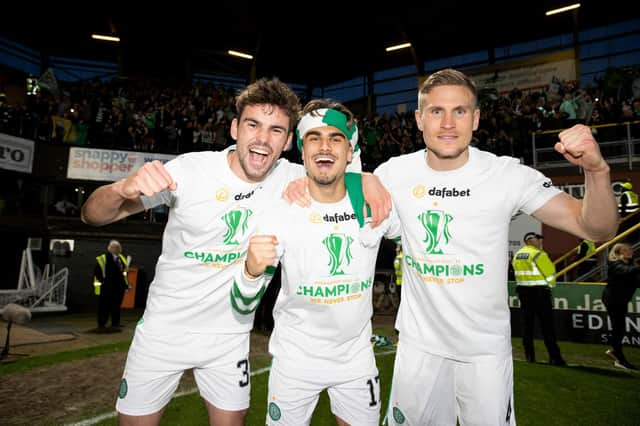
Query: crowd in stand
(146,116)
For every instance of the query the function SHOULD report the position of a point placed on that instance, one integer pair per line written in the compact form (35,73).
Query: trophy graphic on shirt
(237,223)
(339,248)
(436,226)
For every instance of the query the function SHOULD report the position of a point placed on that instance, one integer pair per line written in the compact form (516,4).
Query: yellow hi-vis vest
(590,245)
(102,262)
(632,202)
(397,267)
(532,267)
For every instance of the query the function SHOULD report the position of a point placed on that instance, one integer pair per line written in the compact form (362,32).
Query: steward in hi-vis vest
(628,200)
(533,267)
(585,251)
(102,263)
(535,275)
(109,284)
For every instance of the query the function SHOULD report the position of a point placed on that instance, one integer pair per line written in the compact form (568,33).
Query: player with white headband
(322,332)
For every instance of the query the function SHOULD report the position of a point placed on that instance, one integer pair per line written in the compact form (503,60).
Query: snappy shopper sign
(108,165)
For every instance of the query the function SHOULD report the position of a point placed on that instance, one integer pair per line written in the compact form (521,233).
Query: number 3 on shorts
(244,365)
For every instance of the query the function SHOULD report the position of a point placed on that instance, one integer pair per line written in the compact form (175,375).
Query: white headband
(327,117)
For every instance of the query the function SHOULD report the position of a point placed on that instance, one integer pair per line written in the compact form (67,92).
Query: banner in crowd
(540,73)
(579,314)
(16,153)
(48,81)
(108,165)
(64,130)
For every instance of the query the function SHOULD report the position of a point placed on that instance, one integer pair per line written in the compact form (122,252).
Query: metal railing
(574,250)
(602,265)
(619,144)
(46,293)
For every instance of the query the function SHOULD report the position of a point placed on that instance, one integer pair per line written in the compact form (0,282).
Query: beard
(324,180)
(252,170)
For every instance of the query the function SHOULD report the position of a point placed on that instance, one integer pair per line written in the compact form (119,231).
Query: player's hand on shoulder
(297,191)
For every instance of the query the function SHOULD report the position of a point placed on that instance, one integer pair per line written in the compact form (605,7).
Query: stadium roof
(326,45)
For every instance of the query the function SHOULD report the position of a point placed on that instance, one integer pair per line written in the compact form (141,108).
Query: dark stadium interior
(325,45)
(76,114)
(312,51)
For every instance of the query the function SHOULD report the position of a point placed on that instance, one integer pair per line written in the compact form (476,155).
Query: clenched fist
(261,253)
(148,180)
(579,147)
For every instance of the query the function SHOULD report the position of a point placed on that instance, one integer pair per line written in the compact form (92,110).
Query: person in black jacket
(109,283)
(622,282)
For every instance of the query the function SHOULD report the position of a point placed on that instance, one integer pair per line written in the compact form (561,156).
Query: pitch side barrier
(579,314)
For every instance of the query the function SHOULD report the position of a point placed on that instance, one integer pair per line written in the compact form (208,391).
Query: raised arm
(251,280)
(595,217)
(115,201)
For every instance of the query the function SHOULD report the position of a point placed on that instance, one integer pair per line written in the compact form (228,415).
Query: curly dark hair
(270,92)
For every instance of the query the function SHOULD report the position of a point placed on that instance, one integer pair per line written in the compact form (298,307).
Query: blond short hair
(447,77)
(616,252)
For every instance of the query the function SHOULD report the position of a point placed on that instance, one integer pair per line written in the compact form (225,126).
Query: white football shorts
(291,400)
(432,390)
(156,362)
